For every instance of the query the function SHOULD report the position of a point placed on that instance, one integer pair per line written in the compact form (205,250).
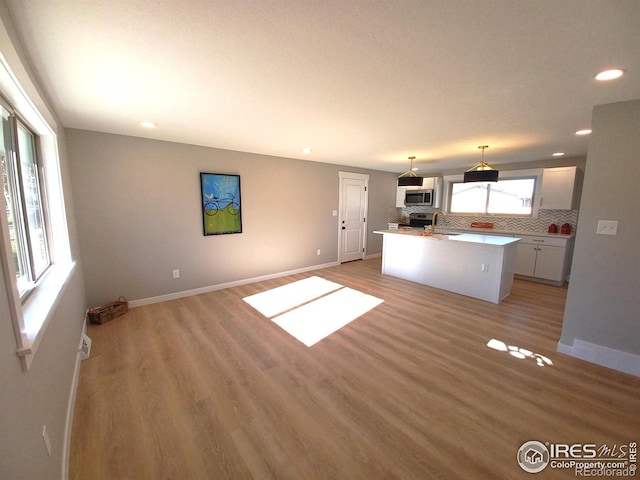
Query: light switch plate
(607,227)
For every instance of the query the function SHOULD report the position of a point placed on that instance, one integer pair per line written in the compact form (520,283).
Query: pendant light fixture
(482,172)
(409,178)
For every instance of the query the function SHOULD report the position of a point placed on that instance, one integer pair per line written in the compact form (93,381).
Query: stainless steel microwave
(418,197)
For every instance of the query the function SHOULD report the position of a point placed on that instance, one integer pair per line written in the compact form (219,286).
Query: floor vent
(85,347)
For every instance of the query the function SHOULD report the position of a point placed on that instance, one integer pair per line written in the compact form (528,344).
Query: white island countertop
(481,239)
(496,231)
(479,266)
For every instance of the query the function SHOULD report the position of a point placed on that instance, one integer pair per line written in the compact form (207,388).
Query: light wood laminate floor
(205,387)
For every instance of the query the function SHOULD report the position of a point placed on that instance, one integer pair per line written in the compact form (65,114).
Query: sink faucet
(433,218)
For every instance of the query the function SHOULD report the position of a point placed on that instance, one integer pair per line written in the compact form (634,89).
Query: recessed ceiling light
(586,131)
(147,124)
(558,154)
(610,74)
(306,150)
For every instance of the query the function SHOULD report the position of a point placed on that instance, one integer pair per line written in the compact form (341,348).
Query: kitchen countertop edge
(489,231)
(469,238)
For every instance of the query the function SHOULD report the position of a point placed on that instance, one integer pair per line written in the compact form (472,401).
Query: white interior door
(353,215)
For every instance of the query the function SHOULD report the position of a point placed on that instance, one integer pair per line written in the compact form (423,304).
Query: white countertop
(479,239)
(489,231)
(483,239)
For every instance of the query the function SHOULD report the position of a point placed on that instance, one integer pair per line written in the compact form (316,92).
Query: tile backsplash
(522,224)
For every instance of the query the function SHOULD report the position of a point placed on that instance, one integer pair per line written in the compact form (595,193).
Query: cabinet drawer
(554,241)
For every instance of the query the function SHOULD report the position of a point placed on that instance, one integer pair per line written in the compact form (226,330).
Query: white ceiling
(363,83)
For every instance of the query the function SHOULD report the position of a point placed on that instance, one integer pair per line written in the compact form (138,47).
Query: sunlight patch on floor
(280,299)
(520,353)
(312,312)
(316,320)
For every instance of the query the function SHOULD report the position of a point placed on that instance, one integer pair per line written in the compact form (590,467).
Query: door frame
(358,176)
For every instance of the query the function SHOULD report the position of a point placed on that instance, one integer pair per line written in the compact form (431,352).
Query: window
(25,210)
(35,253)
(513,196)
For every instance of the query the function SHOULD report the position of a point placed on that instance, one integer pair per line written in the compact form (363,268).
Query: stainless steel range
(419,220)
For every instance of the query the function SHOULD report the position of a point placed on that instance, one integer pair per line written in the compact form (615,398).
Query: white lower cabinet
(545,258)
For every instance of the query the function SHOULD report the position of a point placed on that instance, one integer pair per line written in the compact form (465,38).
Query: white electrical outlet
(45,439)
(334,213)
(176,273)
(318,252)
(607,227)
(485,267)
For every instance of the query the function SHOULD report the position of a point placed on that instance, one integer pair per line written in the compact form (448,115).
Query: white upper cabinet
(400,191)
(428,183)
(438,190)
(559,189)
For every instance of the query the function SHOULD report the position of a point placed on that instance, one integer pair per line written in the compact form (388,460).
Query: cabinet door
(557,188)
(428,182)
(400,191)
(437,192)
(550,263)
(525,259)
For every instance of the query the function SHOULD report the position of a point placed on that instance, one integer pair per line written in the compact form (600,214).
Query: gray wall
(603,301)
(139,215)
(40,396)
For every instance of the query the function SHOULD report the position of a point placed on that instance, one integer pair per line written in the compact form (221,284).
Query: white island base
(479,266)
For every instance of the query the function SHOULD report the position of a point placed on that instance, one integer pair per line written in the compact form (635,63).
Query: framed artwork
(221,206)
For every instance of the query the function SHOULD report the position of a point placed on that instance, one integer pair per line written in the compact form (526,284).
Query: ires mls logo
(533,456)
(586,459)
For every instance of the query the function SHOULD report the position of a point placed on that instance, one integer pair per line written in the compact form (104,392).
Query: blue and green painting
(221,212)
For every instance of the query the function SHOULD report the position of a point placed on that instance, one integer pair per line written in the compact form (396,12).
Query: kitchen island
(479,266)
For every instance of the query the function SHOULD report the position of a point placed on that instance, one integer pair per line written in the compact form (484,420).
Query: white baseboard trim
(373,255)
(564,348)
(70,409)
(605,356)
(221,286)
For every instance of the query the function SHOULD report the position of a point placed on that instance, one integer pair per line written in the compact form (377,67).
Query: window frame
(534,173)
(31,315)
(21,209)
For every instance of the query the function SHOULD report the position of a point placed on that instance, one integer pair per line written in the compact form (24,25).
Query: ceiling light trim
(610,74)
